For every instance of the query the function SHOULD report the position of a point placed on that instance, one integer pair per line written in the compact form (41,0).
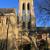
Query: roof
(6,10)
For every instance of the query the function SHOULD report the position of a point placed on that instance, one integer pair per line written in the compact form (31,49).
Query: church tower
(26,12)
(27,6)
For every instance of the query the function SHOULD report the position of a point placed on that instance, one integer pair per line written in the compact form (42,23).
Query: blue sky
(42,15)
(9,4)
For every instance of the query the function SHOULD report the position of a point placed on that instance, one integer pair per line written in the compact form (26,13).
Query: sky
(9,4)
(42,13)
(41,10)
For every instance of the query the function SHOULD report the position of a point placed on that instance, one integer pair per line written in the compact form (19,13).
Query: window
(28,6)
(23,25)
(0,19)
(23,7)
(29,25)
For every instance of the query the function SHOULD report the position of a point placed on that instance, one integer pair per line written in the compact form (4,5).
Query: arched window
(23,7)
(28,6)
(23,25)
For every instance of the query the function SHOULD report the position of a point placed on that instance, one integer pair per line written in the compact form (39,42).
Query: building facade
(16,29)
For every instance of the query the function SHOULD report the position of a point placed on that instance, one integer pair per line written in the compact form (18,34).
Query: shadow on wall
(3,44)
(6,45)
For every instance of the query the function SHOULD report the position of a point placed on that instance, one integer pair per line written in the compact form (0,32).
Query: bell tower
(27,6)
(26,13)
